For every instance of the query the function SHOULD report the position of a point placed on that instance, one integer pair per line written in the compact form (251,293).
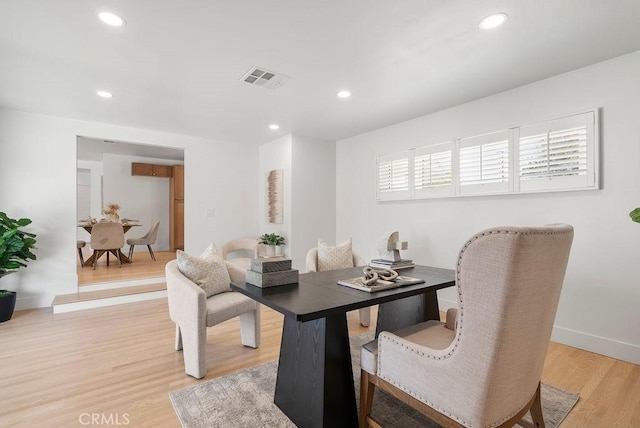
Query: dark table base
(315,377)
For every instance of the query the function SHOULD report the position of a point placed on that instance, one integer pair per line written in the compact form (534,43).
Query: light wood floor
(120,360)
(142,267)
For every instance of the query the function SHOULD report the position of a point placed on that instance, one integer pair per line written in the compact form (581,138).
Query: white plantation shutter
(557,154)
(484,164)
(433,170)
(393,176)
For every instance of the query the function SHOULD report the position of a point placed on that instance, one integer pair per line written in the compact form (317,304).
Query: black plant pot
(7,305)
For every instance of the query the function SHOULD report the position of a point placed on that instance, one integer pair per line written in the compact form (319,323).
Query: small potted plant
(273,242)
(15,252)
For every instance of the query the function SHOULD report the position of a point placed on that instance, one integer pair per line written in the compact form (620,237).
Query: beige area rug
(245,399)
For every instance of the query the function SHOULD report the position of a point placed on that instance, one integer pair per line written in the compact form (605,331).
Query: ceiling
(176,66)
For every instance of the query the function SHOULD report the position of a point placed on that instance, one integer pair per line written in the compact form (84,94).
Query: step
(108,297)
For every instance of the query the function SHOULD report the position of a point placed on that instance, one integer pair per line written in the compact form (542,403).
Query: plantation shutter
(557,154)
(484,163)
(433,170)
(393,176)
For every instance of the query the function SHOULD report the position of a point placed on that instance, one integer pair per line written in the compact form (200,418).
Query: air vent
(265,78)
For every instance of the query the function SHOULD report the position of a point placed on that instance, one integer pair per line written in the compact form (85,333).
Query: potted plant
(635,215)
(273,242)
(15,252)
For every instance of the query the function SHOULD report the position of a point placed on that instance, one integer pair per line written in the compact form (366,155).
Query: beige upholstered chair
(148,239)
(486,370)
(312,266)
(193,312)
(80,245)
(107,237)
(240,247)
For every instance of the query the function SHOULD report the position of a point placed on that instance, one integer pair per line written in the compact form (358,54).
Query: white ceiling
(176,65)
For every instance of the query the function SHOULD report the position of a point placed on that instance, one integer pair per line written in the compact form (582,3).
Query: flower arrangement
(111,210)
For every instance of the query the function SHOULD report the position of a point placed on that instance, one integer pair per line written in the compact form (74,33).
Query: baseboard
(581,340)
(99,303)
(120,284)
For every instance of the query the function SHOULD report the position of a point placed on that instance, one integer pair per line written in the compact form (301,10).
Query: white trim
(109,301)
(120,284)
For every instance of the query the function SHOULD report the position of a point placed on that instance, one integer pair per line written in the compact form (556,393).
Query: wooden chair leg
(108,252)
(536,410)
(153,256)
(367,390)
(81,257)
(131,253)
(119,256)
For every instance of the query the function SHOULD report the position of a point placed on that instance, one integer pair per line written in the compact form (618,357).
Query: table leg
(402,313)
(314,387)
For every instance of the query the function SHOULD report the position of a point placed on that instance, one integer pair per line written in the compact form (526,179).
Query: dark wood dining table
(314,387)
(123,257)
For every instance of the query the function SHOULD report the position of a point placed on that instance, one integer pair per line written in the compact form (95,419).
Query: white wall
(38,177)
(273,156)
(314,196)
(599,304)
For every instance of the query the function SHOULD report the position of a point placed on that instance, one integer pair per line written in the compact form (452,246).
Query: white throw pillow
(338,257)
(208,271)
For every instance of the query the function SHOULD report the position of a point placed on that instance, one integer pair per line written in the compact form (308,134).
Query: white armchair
(193,312)
(482,367)
(312,266)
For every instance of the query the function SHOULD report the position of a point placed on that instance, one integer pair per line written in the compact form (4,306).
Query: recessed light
(111,19)
(343,94)
(274,127)
(493,21)
(104,94)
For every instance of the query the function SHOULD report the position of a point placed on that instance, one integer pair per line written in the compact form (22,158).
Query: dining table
(126,226)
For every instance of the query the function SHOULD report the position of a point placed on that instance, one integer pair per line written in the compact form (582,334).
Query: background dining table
(125,227)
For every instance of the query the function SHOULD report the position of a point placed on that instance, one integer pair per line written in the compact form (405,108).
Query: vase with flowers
(111,212)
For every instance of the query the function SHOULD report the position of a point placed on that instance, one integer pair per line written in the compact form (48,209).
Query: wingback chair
(484,371)
(312,266)
(107,237)
(193,312)
(240,247)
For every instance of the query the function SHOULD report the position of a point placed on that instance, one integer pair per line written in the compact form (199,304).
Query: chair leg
(131,253)
(81,257)
(367,390)
(194,351)
(536,410)
(365,317)
(95,258)
(153,256)
(108,252)
(250,328)
(178,338)
(119,256)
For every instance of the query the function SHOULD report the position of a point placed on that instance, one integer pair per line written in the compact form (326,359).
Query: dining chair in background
(148,239)
(239,248)
(483,366)
(107,237)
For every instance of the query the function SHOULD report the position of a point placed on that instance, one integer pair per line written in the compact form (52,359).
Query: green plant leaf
(635,215)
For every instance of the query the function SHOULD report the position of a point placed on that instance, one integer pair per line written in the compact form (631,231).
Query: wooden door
(176,208)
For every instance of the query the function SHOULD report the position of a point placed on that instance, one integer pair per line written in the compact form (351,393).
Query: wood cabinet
(151,170)
(176,208)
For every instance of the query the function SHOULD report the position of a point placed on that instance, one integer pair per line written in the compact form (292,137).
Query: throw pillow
(209,272)
(338,257)
(211,251)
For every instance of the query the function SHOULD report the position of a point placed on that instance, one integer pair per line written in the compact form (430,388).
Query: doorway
(105,175)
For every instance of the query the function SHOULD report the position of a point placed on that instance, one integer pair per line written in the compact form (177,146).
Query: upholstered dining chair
(482,368)
(80,245)
(148,239)
(239,249)
(107,237)
(314,266)
(193,312)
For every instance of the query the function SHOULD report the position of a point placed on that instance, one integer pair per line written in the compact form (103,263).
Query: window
(559,154)
(393,176)
(484,163)
(433,170)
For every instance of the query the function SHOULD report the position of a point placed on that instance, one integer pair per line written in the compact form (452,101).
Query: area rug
(245,399)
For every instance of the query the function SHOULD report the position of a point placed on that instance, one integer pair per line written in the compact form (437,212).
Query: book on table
(391,264)
(359,283)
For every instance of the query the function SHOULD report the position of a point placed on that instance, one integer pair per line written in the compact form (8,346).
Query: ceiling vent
(266,79)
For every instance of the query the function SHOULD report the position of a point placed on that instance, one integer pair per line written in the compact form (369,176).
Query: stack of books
(392,264)
(269,273)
